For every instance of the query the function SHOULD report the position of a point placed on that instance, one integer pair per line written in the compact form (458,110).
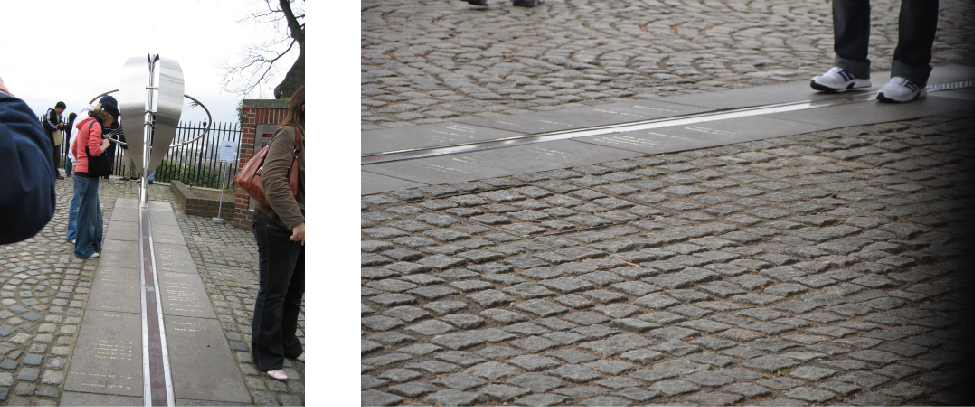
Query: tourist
(912,57)
(89,225)
(279,230)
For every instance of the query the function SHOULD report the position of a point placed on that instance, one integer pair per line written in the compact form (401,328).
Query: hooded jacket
(89,135)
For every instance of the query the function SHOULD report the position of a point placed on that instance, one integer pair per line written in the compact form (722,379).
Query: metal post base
(219,220)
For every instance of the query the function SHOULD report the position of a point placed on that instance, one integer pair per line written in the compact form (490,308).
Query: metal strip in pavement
(157,379)
(636,125)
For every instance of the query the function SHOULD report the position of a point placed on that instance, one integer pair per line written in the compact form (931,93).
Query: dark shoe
(150,182)
(528,3)
(477,2)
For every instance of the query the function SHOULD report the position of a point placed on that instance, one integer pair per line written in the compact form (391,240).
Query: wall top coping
(267,103)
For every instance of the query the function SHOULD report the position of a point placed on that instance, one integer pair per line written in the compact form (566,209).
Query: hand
(3,88)
(298,233)
(104,144)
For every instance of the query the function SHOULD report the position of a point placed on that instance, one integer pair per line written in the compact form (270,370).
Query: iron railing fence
(195,164)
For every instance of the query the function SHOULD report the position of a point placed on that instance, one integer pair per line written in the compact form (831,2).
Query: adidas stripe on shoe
(838,80)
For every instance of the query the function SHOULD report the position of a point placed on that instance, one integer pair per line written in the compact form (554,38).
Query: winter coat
(89,135)
(27,185)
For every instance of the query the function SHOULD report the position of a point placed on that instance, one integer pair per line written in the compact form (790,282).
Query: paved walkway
(825,267)
(816,257)
(426,61)
(46,292)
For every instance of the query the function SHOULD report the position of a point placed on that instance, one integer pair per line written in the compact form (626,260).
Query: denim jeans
(918,23)
(89,219)
(282,269)
(68,167)
(73,217)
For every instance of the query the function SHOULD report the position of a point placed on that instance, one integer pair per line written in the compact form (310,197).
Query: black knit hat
(112,110)
(61,105)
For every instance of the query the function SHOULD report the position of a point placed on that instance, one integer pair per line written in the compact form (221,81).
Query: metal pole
(220,203)
(144,190)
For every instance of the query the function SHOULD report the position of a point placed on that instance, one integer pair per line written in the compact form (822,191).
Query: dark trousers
(282,269)
(917,26)
(55,158)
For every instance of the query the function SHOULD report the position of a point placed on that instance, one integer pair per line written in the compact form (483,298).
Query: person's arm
(50,120)
(27,185)
(274,178)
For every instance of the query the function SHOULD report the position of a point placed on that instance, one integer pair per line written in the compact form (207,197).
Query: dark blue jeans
(89,220)
(282,268)
(918,23)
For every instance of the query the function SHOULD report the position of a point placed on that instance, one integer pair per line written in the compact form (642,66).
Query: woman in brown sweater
(279,230)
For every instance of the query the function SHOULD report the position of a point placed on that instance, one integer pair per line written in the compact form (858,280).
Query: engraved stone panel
(162,217)
(174,258)
(119,253)
(121,230)
(167,234)
(201,362)
(116,289)
(499,162)
(183,294)
(73,398)
(108,356)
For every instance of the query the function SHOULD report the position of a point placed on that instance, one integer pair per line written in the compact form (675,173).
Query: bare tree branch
(257,67)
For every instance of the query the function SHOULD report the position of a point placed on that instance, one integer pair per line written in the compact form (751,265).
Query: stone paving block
(109,357)
(197,351)
(498,162)
(116,290)
(183,294)
(74,398)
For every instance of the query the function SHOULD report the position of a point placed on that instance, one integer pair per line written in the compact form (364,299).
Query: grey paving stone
(455,398)
(379,398)
(460,381)
(673,387)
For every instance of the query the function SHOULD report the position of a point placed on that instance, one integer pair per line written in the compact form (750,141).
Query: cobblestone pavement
(45,291)
(426,61)
(824,268)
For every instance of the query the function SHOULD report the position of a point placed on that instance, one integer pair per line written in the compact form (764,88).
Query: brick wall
(256,111)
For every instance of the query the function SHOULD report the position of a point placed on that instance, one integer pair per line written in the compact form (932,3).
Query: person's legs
(73,211)
(277,258)
(68,167)
(86,217)
(851,28)
(99,226)
(292,308)
(918,25)
(56,159)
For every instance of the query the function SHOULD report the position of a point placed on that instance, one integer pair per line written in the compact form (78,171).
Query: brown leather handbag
(249,177)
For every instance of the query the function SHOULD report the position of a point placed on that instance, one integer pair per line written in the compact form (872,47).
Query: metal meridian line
(408,154)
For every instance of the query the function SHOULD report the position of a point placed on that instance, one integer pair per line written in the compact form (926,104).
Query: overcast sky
(73,50)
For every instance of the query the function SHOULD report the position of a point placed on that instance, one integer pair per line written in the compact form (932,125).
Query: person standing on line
(27,196)
(279,230)
(912,57)
(89,226)
(53,127)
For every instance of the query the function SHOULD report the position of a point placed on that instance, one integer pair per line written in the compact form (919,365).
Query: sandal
(277,374)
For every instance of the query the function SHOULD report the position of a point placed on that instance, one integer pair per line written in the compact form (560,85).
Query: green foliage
(186,173)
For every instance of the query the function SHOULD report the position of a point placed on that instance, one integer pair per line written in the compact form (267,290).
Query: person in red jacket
(86,185)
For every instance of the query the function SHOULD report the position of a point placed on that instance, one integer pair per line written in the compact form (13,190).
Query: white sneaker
(95,256)
(72,241)
(838,80)
(901,90)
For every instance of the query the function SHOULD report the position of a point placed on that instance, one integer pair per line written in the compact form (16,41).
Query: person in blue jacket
(27,181)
